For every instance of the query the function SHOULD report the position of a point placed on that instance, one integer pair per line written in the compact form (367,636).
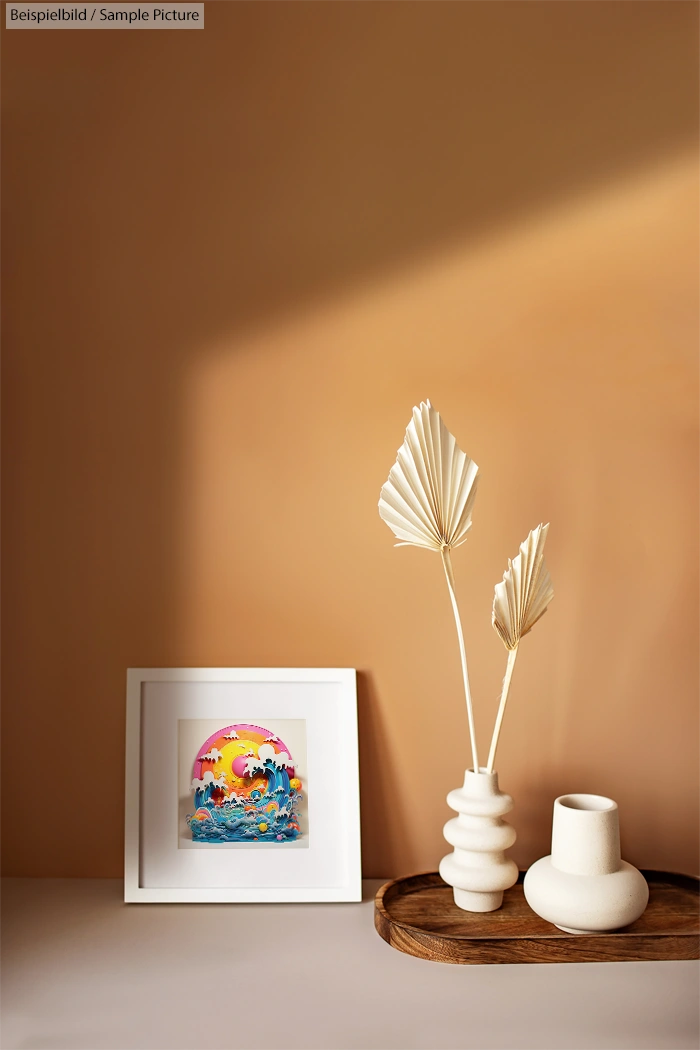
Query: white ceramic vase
(478,869)
(585,886)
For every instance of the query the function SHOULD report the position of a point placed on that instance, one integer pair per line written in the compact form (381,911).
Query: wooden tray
(417,915)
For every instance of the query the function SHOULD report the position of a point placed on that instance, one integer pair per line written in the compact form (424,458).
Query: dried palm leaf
(520,600)
(428,499)
(525,592)
(427,502)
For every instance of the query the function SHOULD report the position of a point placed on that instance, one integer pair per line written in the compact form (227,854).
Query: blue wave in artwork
(268,816)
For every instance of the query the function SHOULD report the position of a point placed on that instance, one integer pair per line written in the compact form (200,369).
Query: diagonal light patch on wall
(561,351)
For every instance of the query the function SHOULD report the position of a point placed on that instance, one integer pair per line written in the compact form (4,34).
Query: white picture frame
(165,706)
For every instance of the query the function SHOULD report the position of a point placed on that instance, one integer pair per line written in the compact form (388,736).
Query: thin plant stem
(512,653)
(447,563)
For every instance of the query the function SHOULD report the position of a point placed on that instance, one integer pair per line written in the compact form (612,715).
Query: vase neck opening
(481,782)
(587,803)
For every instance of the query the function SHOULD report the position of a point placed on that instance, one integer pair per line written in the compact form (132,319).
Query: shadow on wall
(386,833)
(162,190)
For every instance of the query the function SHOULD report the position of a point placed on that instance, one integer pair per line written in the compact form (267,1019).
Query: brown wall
(233,261)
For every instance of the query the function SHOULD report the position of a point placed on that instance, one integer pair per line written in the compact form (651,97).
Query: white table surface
(83,970)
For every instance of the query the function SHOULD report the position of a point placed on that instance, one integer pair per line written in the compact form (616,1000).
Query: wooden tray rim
(652,875)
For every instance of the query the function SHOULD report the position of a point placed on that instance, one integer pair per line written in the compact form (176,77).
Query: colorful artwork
(244,788)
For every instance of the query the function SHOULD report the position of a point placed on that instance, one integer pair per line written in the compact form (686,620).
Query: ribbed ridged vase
(478,869)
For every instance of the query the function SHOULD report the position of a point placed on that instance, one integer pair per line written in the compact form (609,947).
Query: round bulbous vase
(584,886)
(478,869)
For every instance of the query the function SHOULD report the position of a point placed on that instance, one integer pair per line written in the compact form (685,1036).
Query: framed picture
(242,785)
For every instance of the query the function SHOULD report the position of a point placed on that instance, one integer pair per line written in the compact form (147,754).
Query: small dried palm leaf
(428,498)
(525,592)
